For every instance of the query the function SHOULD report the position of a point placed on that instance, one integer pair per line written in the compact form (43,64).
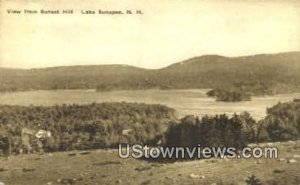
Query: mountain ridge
(127,65)
(274,72)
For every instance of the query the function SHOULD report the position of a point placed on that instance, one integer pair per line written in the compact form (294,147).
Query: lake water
(184,101)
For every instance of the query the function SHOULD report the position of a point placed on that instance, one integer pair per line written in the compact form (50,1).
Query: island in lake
(229,95)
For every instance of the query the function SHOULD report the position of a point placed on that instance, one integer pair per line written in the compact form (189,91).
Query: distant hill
(258,74)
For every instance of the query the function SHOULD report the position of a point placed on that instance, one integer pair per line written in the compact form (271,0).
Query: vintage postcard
(149,92)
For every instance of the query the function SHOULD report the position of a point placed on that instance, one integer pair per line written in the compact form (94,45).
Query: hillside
(259,74)
(105,167)
(252,73)
(68,77)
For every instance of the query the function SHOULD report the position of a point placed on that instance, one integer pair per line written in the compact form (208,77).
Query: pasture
(105,167)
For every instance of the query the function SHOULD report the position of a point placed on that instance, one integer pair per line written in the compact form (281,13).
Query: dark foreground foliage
(212,131)
(219,130)
(282,123)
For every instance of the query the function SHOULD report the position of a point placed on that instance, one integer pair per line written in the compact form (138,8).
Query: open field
(105,167)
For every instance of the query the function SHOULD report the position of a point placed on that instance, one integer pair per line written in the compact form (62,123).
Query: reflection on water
(184,101)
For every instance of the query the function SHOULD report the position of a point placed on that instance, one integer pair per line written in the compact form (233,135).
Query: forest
(105,125)
(282,123)
(84,126)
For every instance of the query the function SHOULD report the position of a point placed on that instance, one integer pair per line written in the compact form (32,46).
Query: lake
(184,101)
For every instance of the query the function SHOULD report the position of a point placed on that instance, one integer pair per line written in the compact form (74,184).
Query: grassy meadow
(105,167)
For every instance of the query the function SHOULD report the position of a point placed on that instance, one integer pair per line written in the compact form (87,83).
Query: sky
(168,31)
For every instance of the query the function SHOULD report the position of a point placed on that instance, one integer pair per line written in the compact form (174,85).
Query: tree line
(84,126)
(105,125)
(282,123)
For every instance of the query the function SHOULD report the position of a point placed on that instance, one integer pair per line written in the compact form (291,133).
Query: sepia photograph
(170,92)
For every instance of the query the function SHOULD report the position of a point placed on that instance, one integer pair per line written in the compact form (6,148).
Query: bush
(253,180)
